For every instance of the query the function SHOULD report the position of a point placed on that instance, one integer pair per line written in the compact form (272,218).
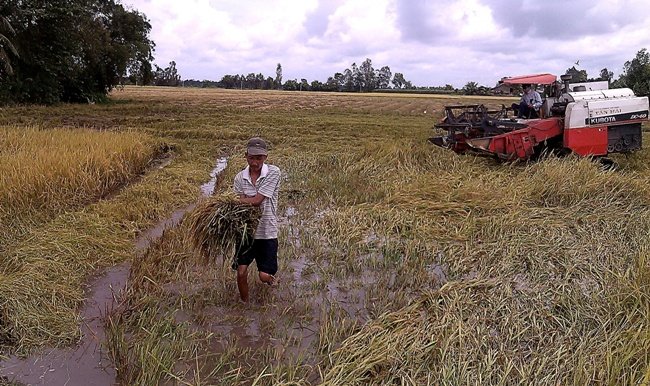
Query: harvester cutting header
(593,122)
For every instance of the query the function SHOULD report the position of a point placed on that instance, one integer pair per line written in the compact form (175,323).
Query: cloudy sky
(432,42)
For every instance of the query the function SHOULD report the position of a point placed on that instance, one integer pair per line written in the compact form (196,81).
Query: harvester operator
(529,104)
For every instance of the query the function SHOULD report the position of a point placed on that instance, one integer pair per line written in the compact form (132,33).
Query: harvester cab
(586,119)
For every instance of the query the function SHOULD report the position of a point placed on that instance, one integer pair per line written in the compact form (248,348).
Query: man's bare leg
(267,278)
(242,282)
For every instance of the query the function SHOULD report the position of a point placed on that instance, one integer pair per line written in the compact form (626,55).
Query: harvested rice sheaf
(219,224)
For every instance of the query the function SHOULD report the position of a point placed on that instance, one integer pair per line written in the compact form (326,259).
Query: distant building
(506,89)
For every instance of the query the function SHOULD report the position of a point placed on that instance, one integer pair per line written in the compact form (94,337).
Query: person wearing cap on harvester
(529,104)
(258,184)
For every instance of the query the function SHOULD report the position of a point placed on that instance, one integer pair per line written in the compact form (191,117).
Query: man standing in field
(258,185)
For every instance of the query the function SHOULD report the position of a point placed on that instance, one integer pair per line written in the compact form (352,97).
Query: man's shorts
(263,251)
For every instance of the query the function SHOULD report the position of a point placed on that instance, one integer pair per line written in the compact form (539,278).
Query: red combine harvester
(571,119)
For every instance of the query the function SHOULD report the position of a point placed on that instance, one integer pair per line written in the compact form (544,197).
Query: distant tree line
(70,50)
(473,88)
(250,82)
(362,78)
(365,78)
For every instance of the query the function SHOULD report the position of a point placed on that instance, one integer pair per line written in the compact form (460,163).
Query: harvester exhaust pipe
(566,78)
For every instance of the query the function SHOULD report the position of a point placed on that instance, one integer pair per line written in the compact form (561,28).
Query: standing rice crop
(43,173)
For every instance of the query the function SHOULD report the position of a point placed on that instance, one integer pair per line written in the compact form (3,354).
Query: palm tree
(471,88)
(5,44)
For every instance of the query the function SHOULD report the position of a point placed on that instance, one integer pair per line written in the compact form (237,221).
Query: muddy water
(284,324)
(208,188)
(87,363)
(154,233)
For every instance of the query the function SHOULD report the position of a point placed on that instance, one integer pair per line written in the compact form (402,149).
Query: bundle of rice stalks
(220,224)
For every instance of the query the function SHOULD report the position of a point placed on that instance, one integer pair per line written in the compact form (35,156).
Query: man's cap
(257,146)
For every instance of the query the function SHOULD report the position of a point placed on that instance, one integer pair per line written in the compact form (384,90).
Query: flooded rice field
(400,263)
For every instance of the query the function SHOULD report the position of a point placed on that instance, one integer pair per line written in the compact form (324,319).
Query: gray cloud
(561,19)
(317,21)
(418,21)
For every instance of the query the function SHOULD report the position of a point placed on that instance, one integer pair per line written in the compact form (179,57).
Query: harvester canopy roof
(531,79)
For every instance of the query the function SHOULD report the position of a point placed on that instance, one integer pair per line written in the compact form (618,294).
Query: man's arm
(266,189)
(256,200)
